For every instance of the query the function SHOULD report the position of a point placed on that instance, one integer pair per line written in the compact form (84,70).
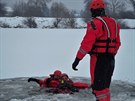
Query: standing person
(102,42)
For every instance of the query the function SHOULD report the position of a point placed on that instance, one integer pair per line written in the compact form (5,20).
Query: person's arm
(118,41)
(86,45)
(47,81)
(34,80)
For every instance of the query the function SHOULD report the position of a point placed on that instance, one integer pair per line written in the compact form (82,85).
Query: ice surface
(38,52)
(18,89)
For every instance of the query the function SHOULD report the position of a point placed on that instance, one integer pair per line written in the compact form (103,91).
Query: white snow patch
(129,22)
(13,86)
(43,22)
(2,95)
(56,97)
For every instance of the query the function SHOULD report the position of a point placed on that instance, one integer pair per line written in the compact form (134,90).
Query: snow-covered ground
(18,22)
(18,89)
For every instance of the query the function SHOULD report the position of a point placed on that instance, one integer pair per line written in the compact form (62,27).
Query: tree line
(119,9)
(39,8)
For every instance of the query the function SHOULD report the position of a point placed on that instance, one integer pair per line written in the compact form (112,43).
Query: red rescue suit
(102,42)
(52,83)
(55,84)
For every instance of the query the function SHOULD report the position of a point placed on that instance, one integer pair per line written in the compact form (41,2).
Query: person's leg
(108,95)
(100,73)
(110,71)
(102,95)
(93,60)
(111,66)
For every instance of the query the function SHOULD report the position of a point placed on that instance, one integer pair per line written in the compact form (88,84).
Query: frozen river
(38,52)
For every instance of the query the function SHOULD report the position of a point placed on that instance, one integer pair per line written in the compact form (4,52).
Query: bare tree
(133,3)
(30,22)
(30,8)
(59,10)
(86,14)
(119,8)
(115,7)
(127,14)
(57,22)
(71,21)
(2,9)
(37,8)
(19,9)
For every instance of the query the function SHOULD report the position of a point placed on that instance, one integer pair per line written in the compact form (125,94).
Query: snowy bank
(129,23)
(18,22)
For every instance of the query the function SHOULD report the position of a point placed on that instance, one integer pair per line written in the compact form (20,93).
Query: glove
(30,79)
(48,82)
(75,63)
(33,79)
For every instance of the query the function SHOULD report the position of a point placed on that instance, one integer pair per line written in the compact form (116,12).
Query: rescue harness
(107,41)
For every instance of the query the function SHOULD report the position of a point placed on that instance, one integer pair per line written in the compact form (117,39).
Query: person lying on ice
(66,85)
(52,81)
(60,83)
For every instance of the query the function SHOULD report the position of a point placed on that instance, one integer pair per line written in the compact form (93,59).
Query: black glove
(72,88)
(75,63)
(48,82)
(33,79)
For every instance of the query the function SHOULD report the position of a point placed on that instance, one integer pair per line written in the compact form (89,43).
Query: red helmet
(95,4)
(57,73)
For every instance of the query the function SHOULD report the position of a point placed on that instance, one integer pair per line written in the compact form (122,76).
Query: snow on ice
(18,89)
